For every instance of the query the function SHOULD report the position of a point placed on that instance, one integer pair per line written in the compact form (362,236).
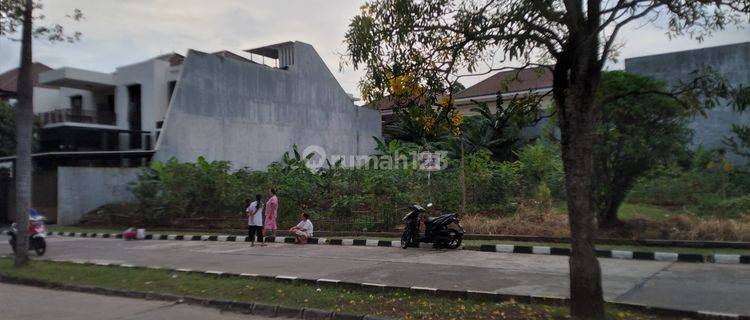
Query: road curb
(300,313)
(260,309)
(502,248)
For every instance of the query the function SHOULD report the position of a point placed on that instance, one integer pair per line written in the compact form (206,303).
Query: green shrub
(730,208)
(541,163)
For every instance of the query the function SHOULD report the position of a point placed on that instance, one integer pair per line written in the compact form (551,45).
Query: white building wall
(45,99)
(152,76)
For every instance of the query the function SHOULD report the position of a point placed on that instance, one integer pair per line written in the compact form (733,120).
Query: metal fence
(78,116)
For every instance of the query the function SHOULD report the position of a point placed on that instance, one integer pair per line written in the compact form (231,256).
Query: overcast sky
(120,32)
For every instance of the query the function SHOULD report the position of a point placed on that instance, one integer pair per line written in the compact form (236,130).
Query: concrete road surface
(21,303)
(687,286)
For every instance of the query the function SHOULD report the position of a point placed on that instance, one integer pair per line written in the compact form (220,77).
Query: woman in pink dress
(271,207)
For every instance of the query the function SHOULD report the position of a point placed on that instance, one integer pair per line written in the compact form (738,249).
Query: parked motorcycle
(37,233)
(444,231)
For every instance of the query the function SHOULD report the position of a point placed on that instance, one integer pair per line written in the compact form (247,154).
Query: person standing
(272,207)
(255,220)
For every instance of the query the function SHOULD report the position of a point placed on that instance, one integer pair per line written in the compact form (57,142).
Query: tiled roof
(516,80)
(173,58)
(9,79)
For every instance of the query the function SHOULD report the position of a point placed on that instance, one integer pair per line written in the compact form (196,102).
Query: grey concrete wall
(82,189)
(250,114)
(731,61)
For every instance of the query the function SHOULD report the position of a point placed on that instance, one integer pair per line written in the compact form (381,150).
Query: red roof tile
(9,79)
(516,80)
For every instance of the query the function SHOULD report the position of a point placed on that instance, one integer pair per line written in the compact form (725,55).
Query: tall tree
(437,40)
(12,14)
(24,123)
(635,132)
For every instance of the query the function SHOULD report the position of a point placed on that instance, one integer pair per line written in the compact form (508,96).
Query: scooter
(444,231)
(37,233)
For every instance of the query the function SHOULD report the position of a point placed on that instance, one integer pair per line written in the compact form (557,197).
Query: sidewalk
(22,302)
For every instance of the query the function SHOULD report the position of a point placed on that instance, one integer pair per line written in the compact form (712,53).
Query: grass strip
(398,304)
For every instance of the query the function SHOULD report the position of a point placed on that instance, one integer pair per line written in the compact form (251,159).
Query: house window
(170,90)
(76,104)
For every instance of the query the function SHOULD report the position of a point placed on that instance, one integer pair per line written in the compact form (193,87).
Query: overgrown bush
(729,208)
(675,186)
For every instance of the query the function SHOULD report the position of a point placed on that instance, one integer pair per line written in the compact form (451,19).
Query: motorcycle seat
(431,220)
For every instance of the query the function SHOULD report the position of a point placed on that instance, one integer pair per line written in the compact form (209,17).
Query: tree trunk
(576,76)
(24,123)
(607,215)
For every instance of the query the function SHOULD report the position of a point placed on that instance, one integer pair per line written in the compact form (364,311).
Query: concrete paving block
(717,315)
(665,256)
(622,254)
(346,316)
(265,310)
(374,286)
(288,312)
(505,248)
(540,250)
(248,275)
(727,258)
(315,314)
(423,289)
(328,281)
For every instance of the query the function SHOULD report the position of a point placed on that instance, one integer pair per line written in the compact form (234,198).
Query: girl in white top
(255,219)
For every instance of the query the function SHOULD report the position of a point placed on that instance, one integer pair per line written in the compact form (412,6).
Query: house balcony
(60,116)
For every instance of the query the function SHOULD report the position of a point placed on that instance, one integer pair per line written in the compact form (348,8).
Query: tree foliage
(739,142)
(633,135)
(11,12)
(8,130)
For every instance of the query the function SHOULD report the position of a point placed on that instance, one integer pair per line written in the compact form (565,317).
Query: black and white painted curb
(502,248)
(621,254)
(276,311)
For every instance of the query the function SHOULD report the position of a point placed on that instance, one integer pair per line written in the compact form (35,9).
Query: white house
(221,106)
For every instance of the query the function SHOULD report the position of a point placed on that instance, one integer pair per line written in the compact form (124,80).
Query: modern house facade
(99,128)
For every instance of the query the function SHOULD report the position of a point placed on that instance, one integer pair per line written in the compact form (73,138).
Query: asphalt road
(21,302)
(687,286)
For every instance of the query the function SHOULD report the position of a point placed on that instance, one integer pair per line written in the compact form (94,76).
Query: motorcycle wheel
(405,239)
(12,243)
(455,241)
(40,246)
